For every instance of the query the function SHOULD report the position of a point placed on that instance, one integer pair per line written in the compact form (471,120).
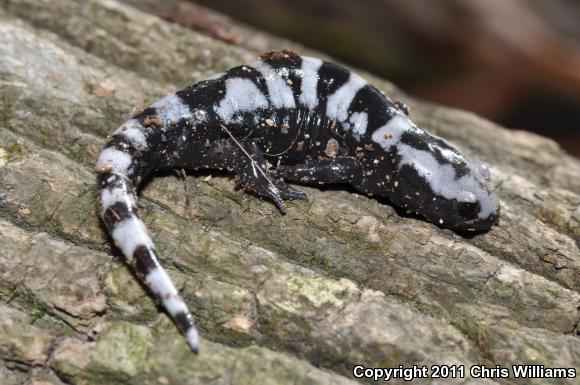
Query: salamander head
(432,179)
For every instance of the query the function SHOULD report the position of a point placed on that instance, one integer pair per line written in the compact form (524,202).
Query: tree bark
(340,280)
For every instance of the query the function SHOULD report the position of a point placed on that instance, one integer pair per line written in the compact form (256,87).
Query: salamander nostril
(484,171)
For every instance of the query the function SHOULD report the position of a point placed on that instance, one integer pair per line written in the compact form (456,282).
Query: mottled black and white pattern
(284,118)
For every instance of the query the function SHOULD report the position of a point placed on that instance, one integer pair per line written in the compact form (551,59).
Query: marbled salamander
(315,122)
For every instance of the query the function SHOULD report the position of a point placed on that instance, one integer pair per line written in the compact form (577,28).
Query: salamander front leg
(336,170)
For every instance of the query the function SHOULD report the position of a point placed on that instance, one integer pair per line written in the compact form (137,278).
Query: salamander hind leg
(287,192)
(247,161)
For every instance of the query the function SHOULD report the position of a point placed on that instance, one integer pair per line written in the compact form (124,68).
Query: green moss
(121,351)
(9,153)
(73,151)
(30,304)
(127,298)
(228,337)
(467,326)
(424,308)
(5,106)
(314,261)
(14,150)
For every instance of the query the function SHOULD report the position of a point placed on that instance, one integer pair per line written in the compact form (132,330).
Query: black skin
(282,137)
(267,146)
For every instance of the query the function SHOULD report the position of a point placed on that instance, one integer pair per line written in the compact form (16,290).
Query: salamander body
(284,118)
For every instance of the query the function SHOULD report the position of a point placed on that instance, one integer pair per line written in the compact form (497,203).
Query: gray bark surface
(295,299)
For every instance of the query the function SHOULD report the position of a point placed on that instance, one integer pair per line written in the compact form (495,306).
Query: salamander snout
(467,211)
(475,206)
(468,216)
(440,184)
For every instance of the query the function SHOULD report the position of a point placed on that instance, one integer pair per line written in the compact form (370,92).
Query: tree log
(341,280)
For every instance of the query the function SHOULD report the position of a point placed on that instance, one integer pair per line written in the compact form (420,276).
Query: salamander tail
(118,209)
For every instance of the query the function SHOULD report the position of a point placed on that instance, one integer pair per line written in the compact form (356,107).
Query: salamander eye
(469,209)
(402,107)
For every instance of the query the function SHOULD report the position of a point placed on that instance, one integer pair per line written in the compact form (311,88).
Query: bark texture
(294,299)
